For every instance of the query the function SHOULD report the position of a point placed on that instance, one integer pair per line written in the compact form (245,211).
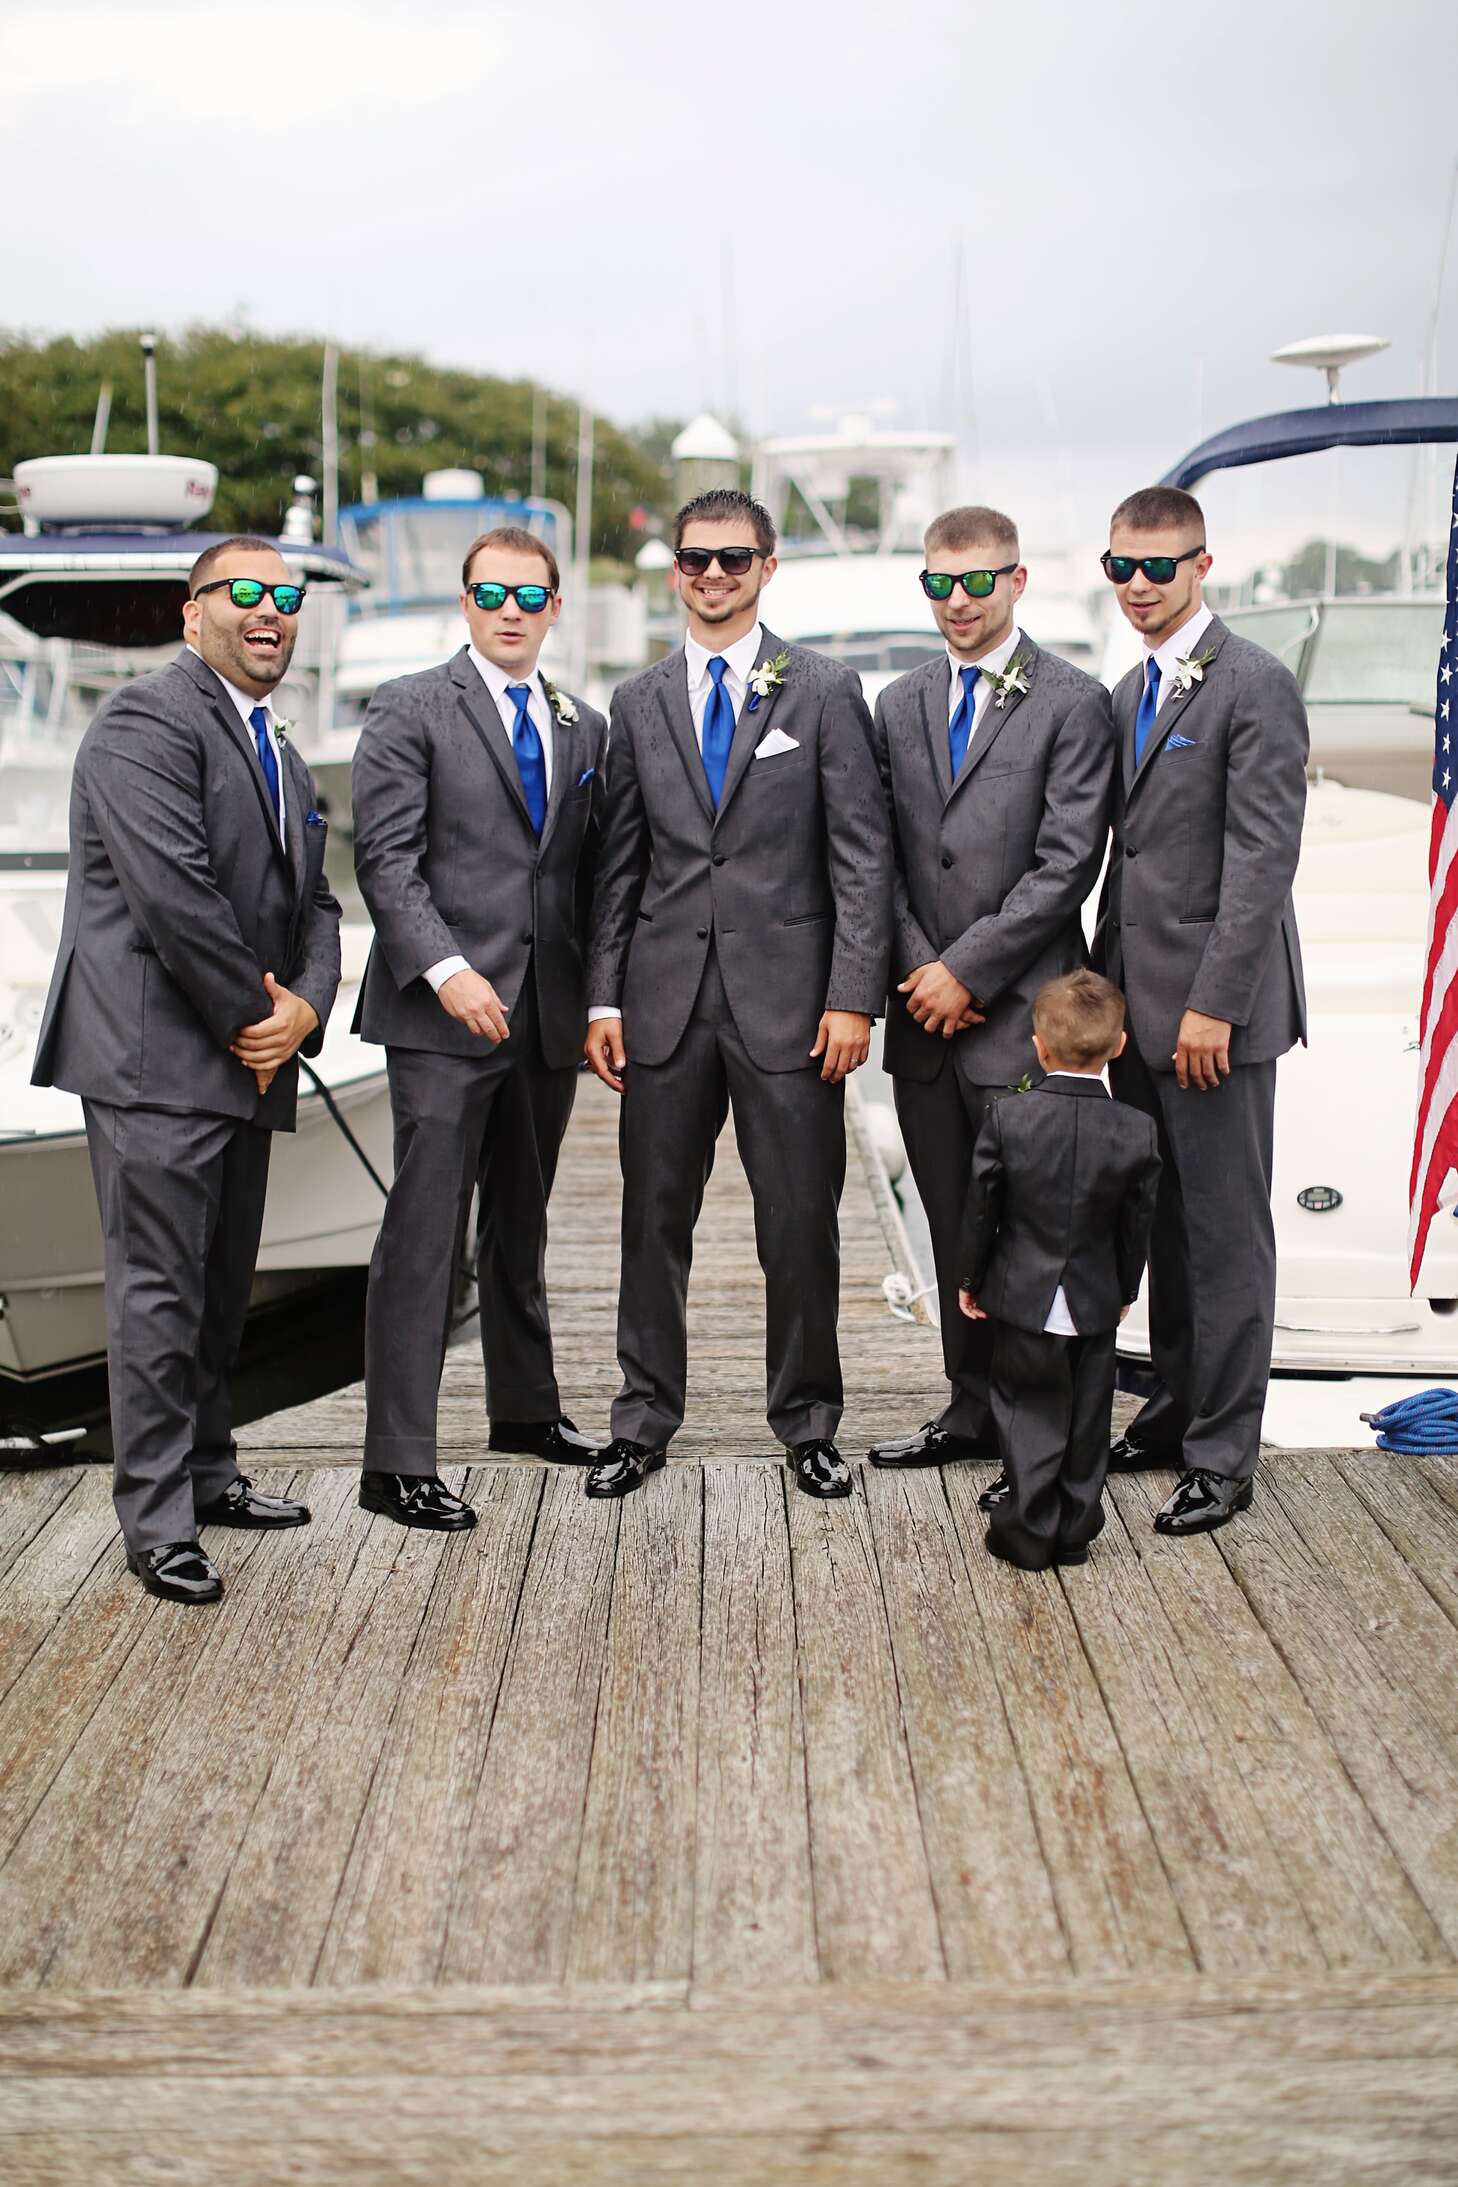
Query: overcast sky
(664,208)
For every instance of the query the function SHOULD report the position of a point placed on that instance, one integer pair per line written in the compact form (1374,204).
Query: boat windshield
(49,690)
(413,550)
(876,652)
(1377,652)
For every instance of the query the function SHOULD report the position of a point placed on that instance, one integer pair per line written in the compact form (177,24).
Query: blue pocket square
(314,820)
(585,776)
(1178,743)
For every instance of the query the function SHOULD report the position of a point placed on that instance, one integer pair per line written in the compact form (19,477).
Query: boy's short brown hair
(1079,1018)
(514,539)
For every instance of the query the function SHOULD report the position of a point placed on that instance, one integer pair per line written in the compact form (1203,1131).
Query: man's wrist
(599,1010)
(448,967)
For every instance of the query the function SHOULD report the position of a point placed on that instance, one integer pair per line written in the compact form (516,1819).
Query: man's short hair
(1159,509)
(1079,1018)
(240,543)
(727,505)
(973,526)
(513,539)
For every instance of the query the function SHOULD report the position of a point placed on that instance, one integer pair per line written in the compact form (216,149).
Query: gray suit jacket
(1196,911)
(179,897)
(992,870)
(448,864)
(792,875)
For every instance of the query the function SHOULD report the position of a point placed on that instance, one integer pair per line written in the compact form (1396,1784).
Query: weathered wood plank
(995,1909)
(1417,1518)
(56,1559)
(29,1498)
(754,1916)
(1114,1897)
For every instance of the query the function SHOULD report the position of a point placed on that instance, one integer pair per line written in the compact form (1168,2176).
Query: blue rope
(1420,1425)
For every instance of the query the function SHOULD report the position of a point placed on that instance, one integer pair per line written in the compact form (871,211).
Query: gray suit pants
(496,1121)
(940,1121)
(790,1128)
(1212,1263)
(181,1197)
(1052,1400)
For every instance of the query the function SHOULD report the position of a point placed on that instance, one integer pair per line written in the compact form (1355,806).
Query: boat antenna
(102,419)
(149,371)
(1328,353)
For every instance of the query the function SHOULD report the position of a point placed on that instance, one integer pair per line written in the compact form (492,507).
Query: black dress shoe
(1201,1502)
(931,1445)
(241,1505)
(994,1497)
(622,1466)
(415,1499)
(1074,1553)
(818,1468)
(177,1572)
(1005,1555)
(556,1440)
(1129,1455)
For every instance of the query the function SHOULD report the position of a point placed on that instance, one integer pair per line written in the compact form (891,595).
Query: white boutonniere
(765,680)
(1192,671)
(1011,684)
(282,731)
(560,704)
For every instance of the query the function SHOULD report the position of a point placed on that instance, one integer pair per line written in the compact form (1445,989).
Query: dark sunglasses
(246,592)
(1158,568)
(940,584)
(733,561)
(531,599)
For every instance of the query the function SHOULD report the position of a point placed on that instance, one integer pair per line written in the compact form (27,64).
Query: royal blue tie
(959,729)
(258,723)
(531,760)
(718,729)
(1148,704)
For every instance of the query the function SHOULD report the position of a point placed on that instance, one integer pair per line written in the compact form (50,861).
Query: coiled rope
(1418,1426)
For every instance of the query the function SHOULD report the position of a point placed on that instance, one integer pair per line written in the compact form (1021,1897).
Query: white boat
(91,594)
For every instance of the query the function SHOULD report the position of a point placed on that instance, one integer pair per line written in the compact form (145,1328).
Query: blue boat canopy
(1414,421)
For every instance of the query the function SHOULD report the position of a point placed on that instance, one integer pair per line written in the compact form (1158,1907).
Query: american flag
(1435,1140)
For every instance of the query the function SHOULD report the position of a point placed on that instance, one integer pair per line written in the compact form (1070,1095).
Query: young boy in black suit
(1058,1218)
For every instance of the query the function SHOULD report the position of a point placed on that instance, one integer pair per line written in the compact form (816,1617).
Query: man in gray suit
(199,955)
(476,789)
(997,760)
(1197,925)
(741,927)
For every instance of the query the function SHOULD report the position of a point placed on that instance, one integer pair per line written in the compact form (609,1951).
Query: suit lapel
(1178,704)
(564,761)
(476,705)
(674,699)
(210,689)
(997,713)
(296,805)
(750,727)
(933,700)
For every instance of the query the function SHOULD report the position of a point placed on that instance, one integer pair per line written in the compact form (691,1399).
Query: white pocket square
(776,741)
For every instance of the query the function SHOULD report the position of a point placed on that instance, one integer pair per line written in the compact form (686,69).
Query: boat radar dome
(1328,353)
(113,493)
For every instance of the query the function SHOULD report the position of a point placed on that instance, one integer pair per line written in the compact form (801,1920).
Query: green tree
(251,405)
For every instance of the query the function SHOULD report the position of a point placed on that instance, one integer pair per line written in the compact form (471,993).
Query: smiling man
(476,789)
(1198,927)
(199,955)
(740,933)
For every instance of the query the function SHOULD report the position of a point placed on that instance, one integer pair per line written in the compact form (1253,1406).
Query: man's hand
(270,1043)
(474,1003)
(973,1311)
(1202,1054)
(265,1080)
(938,1001)
(604,1051)
(844,1039)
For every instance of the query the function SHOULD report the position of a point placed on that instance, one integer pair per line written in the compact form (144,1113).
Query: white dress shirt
(982,692)
(540,715)
(739,659)
(245,706)
(1182,645)
(1060,1322)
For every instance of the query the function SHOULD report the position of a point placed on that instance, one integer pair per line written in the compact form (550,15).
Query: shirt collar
(1182,643)
(741,656)
(241,699)
(497,679)
(996,660)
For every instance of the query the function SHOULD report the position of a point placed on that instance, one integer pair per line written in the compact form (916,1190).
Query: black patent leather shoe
(1201,1502)
(1007,1555)
(177,1572)
(818,1469)
(1129,1455)
(622,1466)
(241,1505)
(555,1440)
(993,1498)
(931,1445)
(415,1499)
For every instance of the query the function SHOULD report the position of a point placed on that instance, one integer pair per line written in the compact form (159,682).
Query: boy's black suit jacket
(1063,1185)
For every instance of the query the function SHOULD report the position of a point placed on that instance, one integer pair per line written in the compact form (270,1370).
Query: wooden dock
(722,1833)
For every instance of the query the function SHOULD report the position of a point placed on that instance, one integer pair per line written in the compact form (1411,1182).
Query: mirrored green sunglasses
(940,584)
(246,592)
(531,599)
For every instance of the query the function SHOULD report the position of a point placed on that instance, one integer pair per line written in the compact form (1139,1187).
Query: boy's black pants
(1052,1401)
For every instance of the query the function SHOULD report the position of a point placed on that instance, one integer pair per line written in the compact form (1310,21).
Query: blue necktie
(531,760)
(959,729)
(718,729)
(258,723)
(1144,719)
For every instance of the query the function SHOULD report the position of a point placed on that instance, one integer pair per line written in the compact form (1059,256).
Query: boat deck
(722,1832)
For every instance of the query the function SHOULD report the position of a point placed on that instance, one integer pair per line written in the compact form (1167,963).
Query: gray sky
(665,208)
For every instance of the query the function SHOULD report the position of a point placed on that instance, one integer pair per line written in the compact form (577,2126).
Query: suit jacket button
(702,932)
(1130,851)
(527,938)
(947,860)
(718,858)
